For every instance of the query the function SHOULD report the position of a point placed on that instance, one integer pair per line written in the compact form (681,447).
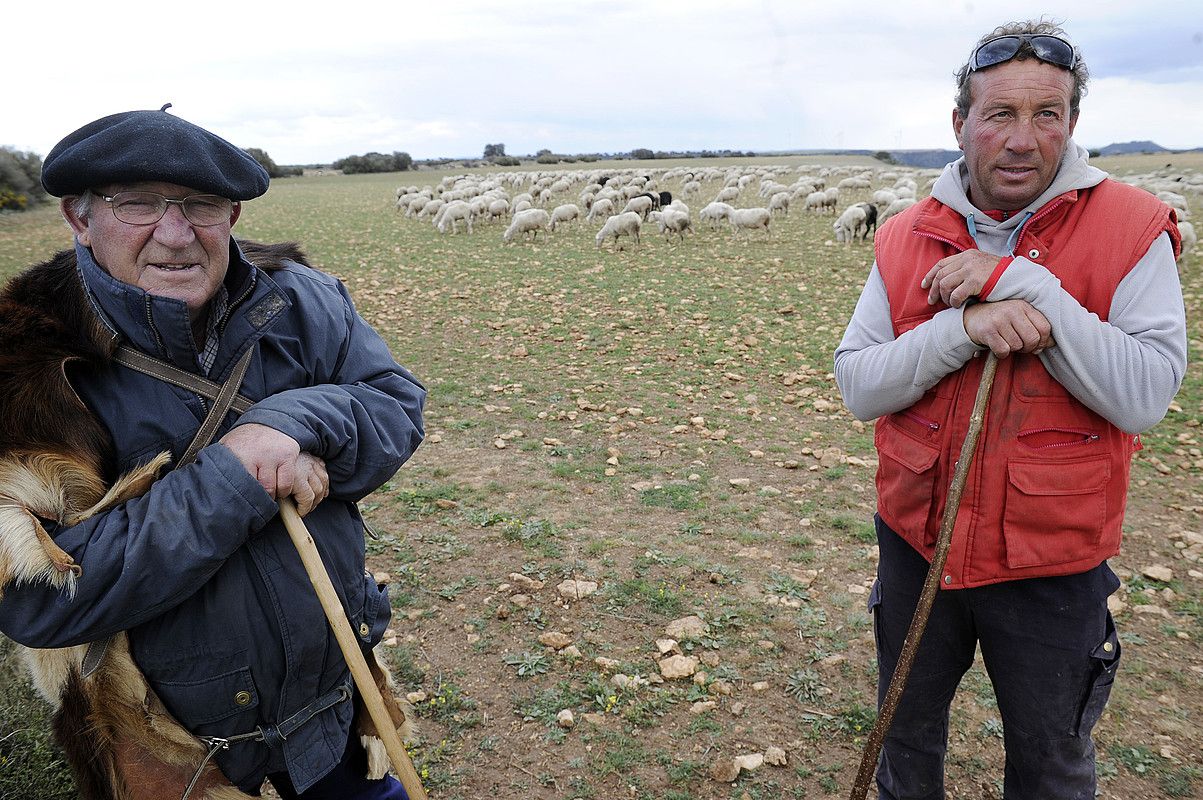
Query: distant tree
(543,152)
(504,161)
(20,179)
(547,157)
(374,162)
(494,150)
(642,154)
(885,157)
(273,169)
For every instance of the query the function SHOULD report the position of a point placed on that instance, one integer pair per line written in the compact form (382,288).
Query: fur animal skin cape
(121,742)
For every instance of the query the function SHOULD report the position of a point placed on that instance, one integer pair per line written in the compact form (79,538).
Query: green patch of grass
(528,664)
(31,764)
(657,597)
(421,500)
(677,496)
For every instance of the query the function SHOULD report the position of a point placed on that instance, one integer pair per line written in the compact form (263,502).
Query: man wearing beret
(199,571)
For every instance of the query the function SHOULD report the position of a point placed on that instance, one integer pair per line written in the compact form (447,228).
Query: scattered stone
(833,660)
(1158,572)
(525,583)
(606,664)
(737,709)
(770,491)
(666,646)
(678,666)
(445,504)
(521,600)
(775,756)
(565,719)
(702,706)
(1115,605)
(700,678)
(382,578)
(416,697)
(760,686)
(741,483)
(721,687)
(691,627)
(750,761)
(575,590)
(594,718)
(1150,610)
(555,640)
(724,770)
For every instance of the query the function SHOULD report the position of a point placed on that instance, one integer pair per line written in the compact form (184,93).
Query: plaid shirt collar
(217,313)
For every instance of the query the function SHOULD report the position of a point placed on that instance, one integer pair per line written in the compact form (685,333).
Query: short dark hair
(964,97)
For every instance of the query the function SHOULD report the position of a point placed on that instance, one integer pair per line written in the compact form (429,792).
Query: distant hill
(925,159)
(1124,148)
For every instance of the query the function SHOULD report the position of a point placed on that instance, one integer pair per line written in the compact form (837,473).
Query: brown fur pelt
(121,742)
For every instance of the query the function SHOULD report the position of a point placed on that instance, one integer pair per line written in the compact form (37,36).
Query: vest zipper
(922,420)
(1086,437)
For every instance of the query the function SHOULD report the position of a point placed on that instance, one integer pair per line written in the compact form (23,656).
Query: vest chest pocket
(1054,511)
(906,481)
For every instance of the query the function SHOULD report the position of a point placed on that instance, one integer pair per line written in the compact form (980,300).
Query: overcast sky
(310,83)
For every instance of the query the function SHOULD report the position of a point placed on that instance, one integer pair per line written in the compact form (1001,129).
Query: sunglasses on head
(1051,49)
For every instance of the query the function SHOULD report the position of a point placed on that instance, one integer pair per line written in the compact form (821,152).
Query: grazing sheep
(870,218)
(565,213)
(883,197)
(729,193)
(627,223)
(715,213)
(601,209)
(532,220)
(678,205)
(522,205)
(820,202)
(451,213)
(430,208)
(897,207)
(750,219)
(848,223)
(1189,238)
(666,199)
(498,209)
(691,188)
(641,205)
(674,221)
(779,202)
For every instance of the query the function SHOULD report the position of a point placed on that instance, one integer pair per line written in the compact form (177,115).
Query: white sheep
(897,207)
(691,188)
(641,205)
(851,222)
(1189,238)
(522,205)
(883,197)
(715,213)
(729,193)
(674,221)
(430,208)
(750,219)
(601,209)
(451,213)
(498,209)
(528,221)
(565,213)
(779,202)
(627,223)
(820,202)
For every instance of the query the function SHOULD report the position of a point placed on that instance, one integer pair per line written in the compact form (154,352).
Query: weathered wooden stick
(349,645)
(910,645)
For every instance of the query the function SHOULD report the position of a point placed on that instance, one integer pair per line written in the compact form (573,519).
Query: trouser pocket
(1105,662)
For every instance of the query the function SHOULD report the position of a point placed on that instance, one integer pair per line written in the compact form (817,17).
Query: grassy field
(662,421)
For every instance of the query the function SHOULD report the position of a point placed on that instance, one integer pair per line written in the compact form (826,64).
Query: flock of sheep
(745,199)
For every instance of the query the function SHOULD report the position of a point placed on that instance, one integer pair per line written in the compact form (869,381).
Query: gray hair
(81,205)
(964,97)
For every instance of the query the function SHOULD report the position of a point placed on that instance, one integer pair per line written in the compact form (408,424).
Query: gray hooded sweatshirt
(1126,369)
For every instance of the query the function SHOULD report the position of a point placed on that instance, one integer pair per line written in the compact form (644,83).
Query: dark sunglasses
(1051,49)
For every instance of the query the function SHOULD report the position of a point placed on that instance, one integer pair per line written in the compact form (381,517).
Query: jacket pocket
(1054,510)
(373,619)
(204,701)
(906,481)
(1105,661)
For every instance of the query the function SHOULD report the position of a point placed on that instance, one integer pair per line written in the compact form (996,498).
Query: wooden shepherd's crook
(349,645)
(868,761)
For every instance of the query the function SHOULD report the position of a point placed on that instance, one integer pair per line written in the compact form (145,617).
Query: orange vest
(1047,488)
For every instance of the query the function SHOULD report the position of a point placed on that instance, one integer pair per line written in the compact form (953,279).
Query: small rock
(526,583)
(721,687)
(416,697)
(444,503)
(571,652)
(575,590)
(1115,605)
(594,718)
(1158,572)
(702,706)
(750,761)
(737,709)
(666,646)
(724,770)
(521,600)
(678,666)
(606,664)
(1150,609)
(775,756)
(760,686)
(741,483)
(555,640)
(565,719)
(691,627)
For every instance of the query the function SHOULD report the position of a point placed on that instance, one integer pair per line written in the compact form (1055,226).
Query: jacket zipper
(922,420)
(1087,437)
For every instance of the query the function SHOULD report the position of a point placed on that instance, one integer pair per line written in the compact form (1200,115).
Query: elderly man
(220,615)
(1026,250)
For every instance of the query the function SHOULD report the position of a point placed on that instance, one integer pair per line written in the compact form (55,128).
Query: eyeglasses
(147,208)
(1051,49)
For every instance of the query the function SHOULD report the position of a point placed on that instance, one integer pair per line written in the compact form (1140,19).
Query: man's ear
(235,213)
(958,122)
(78,224)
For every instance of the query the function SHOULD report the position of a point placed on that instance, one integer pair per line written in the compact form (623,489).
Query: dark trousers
(344,782)
(1050,649)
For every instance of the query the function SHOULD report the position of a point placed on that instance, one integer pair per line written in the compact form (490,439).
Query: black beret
(151,146)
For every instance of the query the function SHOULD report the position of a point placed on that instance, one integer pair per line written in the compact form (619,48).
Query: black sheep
(666,198)
(870,218)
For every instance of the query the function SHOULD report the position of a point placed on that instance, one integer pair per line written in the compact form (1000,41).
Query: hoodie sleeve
(879,374)
(1129,367)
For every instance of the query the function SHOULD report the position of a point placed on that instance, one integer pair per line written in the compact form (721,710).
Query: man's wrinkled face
(1016,132)
(169,258)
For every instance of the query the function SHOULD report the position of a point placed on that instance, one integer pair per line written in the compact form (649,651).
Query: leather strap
(224,396)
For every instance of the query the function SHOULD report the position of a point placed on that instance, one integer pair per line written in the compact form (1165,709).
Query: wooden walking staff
(349,645)
(868,761)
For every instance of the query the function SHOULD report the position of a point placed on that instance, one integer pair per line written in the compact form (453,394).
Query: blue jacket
(200,571)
